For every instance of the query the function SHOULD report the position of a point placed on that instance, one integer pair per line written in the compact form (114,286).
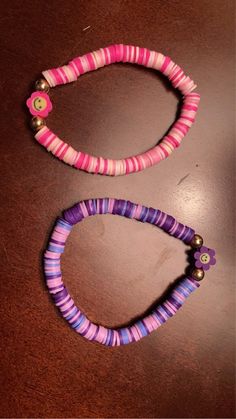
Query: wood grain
(115,268)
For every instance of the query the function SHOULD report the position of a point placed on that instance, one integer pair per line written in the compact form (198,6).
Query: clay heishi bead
(198,274)
(42,85)
(197,241)
(37,123)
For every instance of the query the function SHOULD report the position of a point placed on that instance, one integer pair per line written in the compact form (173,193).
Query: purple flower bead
(204,258)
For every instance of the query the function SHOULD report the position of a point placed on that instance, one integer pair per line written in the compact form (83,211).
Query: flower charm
(39,104)
(204,258)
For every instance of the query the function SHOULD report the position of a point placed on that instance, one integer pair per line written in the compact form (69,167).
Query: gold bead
(37,123)
(198,274)
(42,85)
(197,241)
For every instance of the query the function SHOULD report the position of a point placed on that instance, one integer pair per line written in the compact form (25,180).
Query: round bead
(42,85)
(198,274)
(197,241)
(37,123)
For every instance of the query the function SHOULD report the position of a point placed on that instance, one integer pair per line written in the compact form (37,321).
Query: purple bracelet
(204,257)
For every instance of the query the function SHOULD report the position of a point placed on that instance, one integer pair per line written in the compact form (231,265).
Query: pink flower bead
(39,104)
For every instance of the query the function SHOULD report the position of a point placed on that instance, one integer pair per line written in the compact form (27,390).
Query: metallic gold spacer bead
(198,274)
(37,123)
(197,241)
(42,85)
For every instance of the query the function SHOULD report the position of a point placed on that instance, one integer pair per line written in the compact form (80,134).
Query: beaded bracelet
(40,105)
(204,257)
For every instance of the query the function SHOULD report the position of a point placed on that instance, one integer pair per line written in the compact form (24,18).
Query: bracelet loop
(40,105)
(76,319)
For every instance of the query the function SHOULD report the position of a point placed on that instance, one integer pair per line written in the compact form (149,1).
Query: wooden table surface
(115,268)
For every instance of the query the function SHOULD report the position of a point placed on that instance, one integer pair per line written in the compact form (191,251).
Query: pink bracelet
(40,105)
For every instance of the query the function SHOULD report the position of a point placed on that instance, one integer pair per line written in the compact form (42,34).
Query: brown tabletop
(115,268)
